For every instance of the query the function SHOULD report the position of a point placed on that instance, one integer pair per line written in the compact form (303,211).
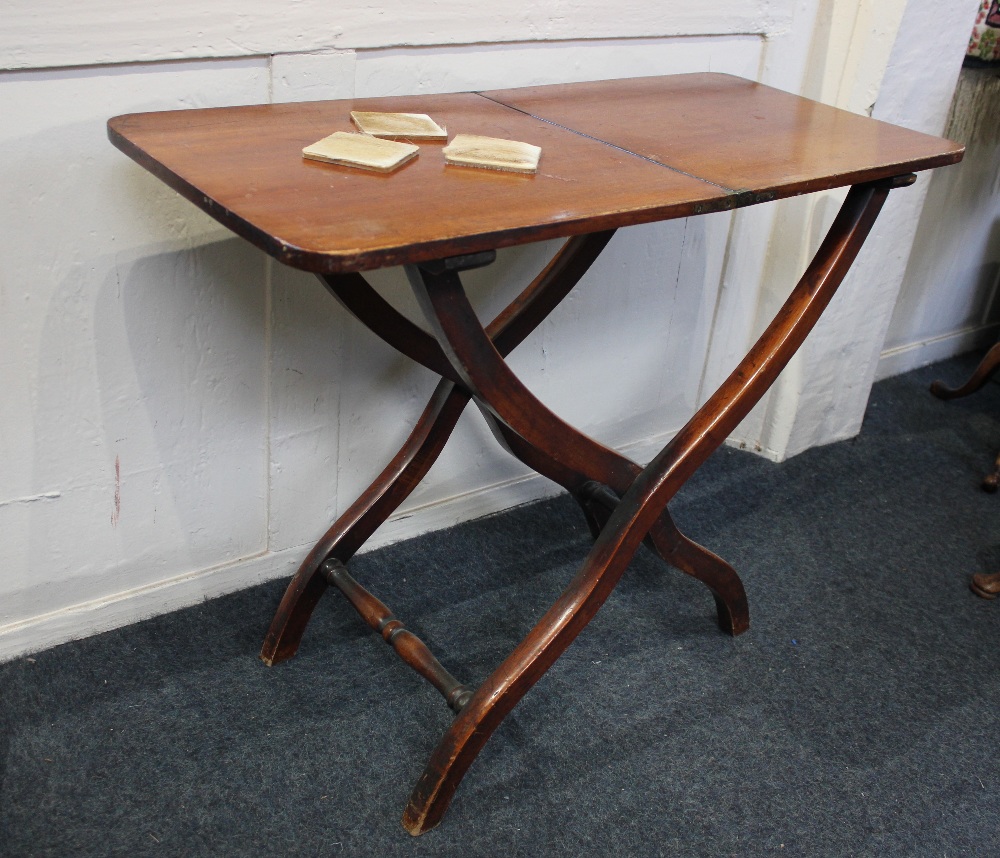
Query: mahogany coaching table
(614,153)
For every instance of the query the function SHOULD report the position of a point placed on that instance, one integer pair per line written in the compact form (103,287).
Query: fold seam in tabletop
(728,190)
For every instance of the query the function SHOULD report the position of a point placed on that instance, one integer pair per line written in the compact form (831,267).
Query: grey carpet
(858,716)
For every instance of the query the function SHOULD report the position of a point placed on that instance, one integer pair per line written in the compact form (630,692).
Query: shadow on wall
(162,456)
(196,335)
(172,475)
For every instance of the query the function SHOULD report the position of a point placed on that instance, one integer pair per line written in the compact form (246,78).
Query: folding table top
(614,153)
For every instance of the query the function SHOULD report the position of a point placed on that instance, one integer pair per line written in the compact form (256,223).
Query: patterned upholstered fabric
(984,43)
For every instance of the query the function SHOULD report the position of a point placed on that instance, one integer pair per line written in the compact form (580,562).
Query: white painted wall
(908,80)
(182,417)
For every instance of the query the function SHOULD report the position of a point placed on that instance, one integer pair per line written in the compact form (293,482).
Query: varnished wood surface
(743,136)
(614,153)
(640,506)
(980,375)
(408,646)
(425,443)
(243,165)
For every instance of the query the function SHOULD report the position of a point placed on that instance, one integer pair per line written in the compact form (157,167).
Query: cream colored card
(408,126)
(492,153)
(360,150)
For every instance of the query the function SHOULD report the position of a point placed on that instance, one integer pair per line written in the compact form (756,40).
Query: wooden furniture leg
(593,491)
(980,375)
(362,519)
(434,428)
(431,431)
(487,376)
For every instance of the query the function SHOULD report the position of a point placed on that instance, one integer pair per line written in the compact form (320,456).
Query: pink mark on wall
(117,512)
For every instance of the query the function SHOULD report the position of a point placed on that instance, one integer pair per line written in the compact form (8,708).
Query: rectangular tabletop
(742,136)
(614,153)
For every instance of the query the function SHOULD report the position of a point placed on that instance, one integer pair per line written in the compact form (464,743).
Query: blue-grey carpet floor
(858,716)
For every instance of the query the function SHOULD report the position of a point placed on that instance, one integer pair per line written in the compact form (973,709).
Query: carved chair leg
(987,366)
(432,430)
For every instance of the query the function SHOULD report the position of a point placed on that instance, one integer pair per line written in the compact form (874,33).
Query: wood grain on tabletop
(736,133)
(244,166)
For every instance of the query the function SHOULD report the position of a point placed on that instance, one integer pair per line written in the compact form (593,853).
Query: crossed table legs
(624,503)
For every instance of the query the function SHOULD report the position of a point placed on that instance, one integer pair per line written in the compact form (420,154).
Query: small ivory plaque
(360,150)
(409,126)
(492,153)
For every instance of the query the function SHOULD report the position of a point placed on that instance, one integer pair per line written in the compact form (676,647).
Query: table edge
(349,260)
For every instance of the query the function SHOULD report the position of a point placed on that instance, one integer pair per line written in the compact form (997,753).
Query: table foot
(407,645)
(494,699)
(677,550)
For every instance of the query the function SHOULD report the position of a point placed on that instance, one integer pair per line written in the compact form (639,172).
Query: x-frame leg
(432,430)
(625,504)
(434,427)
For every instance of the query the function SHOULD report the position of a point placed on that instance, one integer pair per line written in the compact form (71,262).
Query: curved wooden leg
(987,586)
(432,430)
(550,445)
(493,700)
(491,703)
(697,561)
(598,501)
(987,366)
(646,499)
(355,526)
